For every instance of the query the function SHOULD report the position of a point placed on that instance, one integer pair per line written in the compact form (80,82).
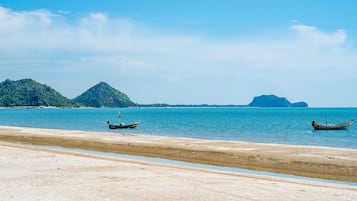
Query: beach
(36,173)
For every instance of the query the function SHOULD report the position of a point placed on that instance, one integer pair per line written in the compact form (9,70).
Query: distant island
(274,101)
(29,93)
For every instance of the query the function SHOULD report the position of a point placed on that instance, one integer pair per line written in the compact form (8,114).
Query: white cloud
(122,47)
(311,35)
(12,21)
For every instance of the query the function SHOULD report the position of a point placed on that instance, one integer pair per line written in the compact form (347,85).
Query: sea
(262,125)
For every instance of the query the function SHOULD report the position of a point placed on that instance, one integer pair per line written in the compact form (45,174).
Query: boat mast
(326,120)
(119,118)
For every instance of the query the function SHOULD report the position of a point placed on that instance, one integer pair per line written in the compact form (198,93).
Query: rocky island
(274,101)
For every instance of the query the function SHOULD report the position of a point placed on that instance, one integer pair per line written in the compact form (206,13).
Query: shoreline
(309,161)
(208,167)
(34,173)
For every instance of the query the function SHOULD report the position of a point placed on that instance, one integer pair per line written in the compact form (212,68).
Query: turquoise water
(268,125)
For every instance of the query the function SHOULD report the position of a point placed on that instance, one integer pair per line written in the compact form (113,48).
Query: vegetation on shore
(29,93)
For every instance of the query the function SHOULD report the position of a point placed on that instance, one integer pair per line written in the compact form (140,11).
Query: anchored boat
(133,125)
(327,126)
(121,125)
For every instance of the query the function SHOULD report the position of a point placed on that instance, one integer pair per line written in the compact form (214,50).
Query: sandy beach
(319,162)
(31,173)
(34,173)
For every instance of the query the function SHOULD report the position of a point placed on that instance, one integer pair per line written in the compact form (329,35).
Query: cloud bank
(157,64)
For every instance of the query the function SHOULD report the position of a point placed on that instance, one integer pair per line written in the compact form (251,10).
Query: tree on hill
(27,92)
(103,95)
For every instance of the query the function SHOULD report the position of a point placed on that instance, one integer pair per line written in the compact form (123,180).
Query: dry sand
(320,162)
(31,173)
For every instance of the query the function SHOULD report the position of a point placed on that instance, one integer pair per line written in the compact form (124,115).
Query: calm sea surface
(269,125)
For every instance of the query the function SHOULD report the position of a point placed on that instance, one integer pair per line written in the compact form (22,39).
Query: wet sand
(310,161)
(31,173)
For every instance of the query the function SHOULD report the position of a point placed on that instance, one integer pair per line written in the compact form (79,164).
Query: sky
(186,51)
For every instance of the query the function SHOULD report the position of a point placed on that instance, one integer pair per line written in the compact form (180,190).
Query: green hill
(27,92)
(103,95)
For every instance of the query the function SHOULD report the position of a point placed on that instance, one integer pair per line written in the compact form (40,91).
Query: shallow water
(267,125)
(205,166)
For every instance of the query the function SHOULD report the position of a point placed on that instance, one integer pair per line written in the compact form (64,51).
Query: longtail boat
(121,125)
(326,126)
(112,126)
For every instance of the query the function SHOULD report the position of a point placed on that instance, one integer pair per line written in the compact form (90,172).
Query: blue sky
(185,52)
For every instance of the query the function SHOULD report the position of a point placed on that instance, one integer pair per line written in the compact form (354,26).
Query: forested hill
(27,92)
(103,95)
